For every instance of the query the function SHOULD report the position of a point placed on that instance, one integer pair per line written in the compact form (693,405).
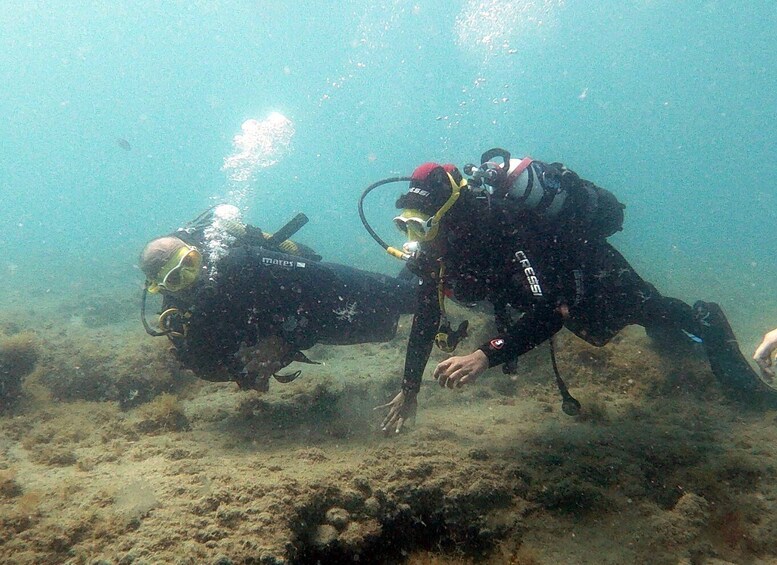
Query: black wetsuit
(257,293)
(539,278)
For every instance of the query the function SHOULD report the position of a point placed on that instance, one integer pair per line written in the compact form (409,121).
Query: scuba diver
(239,304)
(531,238)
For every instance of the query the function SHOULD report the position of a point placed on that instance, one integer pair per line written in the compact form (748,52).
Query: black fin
(733,371)
(287,378)
(300,357)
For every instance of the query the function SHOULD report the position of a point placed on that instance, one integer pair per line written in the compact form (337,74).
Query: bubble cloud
(259,145)
(491,27)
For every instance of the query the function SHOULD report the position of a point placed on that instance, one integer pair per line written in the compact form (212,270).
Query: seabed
(111,454)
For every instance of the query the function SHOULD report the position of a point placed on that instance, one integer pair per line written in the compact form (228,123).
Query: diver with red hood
(531,238)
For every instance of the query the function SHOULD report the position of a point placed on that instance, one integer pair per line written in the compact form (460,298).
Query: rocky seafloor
(111,454)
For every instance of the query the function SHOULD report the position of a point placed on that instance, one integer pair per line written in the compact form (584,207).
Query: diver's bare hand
(763,355)
(401,408)
(461,369)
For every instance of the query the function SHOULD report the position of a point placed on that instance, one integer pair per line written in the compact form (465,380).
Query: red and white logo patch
(497,343)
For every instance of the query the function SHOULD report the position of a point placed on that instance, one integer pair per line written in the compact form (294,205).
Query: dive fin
(300,357)
(733,371)
(287,378)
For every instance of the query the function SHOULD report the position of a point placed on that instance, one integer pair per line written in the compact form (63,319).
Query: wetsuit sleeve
(535,326)
(419,347)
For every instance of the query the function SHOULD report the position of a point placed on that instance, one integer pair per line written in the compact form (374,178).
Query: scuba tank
(221,226)
(556,197)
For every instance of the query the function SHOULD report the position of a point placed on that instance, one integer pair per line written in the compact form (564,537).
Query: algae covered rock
(18,356)
(163,414)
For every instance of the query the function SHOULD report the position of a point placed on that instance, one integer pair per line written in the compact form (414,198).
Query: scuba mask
(414,224)
(178,273)
(421,227)
(424,228)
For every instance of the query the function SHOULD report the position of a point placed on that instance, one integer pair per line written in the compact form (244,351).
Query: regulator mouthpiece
(411,248)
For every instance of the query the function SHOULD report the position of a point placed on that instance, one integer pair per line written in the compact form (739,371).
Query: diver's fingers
(389,417)
(446,369)
(388,421)
(766,347)
(468,378)
(455,379)
(392,409)
(397,400)
(442,375)
(394,415)
(765,364)
(763,354)
(447,381)
(442,368)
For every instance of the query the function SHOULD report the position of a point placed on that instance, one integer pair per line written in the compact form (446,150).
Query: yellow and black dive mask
(423,227)
(179,272)
(414,224)
(419,226)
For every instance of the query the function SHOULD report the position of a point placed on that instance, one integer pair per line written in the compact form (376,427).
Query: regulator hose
(391,250)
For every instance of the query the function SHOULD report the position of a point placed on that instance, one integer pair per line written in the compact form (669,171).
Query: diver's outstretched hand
(459,370)
(763,355)
(401,408)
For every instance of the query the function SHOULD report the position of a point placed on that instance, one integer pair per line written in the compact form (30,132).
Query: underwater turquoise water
(118,118)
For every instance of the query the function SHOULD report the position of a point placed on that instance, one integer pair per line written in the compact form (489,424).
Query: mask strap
(455,193)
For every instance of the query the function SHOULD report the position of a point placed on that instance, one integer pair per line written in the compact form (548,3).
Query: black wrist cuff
(491,355)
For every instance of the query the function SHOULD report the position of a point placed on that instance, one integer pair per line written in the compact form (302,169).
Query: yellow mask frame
(433,222)
(179,272)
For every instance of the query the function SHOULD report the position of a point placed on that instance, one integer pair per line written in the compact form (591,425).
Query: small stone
(338,517)
(352,500)
(371,507)
(128,559)
(325,535)
(362,484)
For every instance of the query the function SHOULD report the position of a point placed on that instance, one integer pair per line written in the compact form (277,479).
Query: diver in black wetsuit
(530,237)
(240,304)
